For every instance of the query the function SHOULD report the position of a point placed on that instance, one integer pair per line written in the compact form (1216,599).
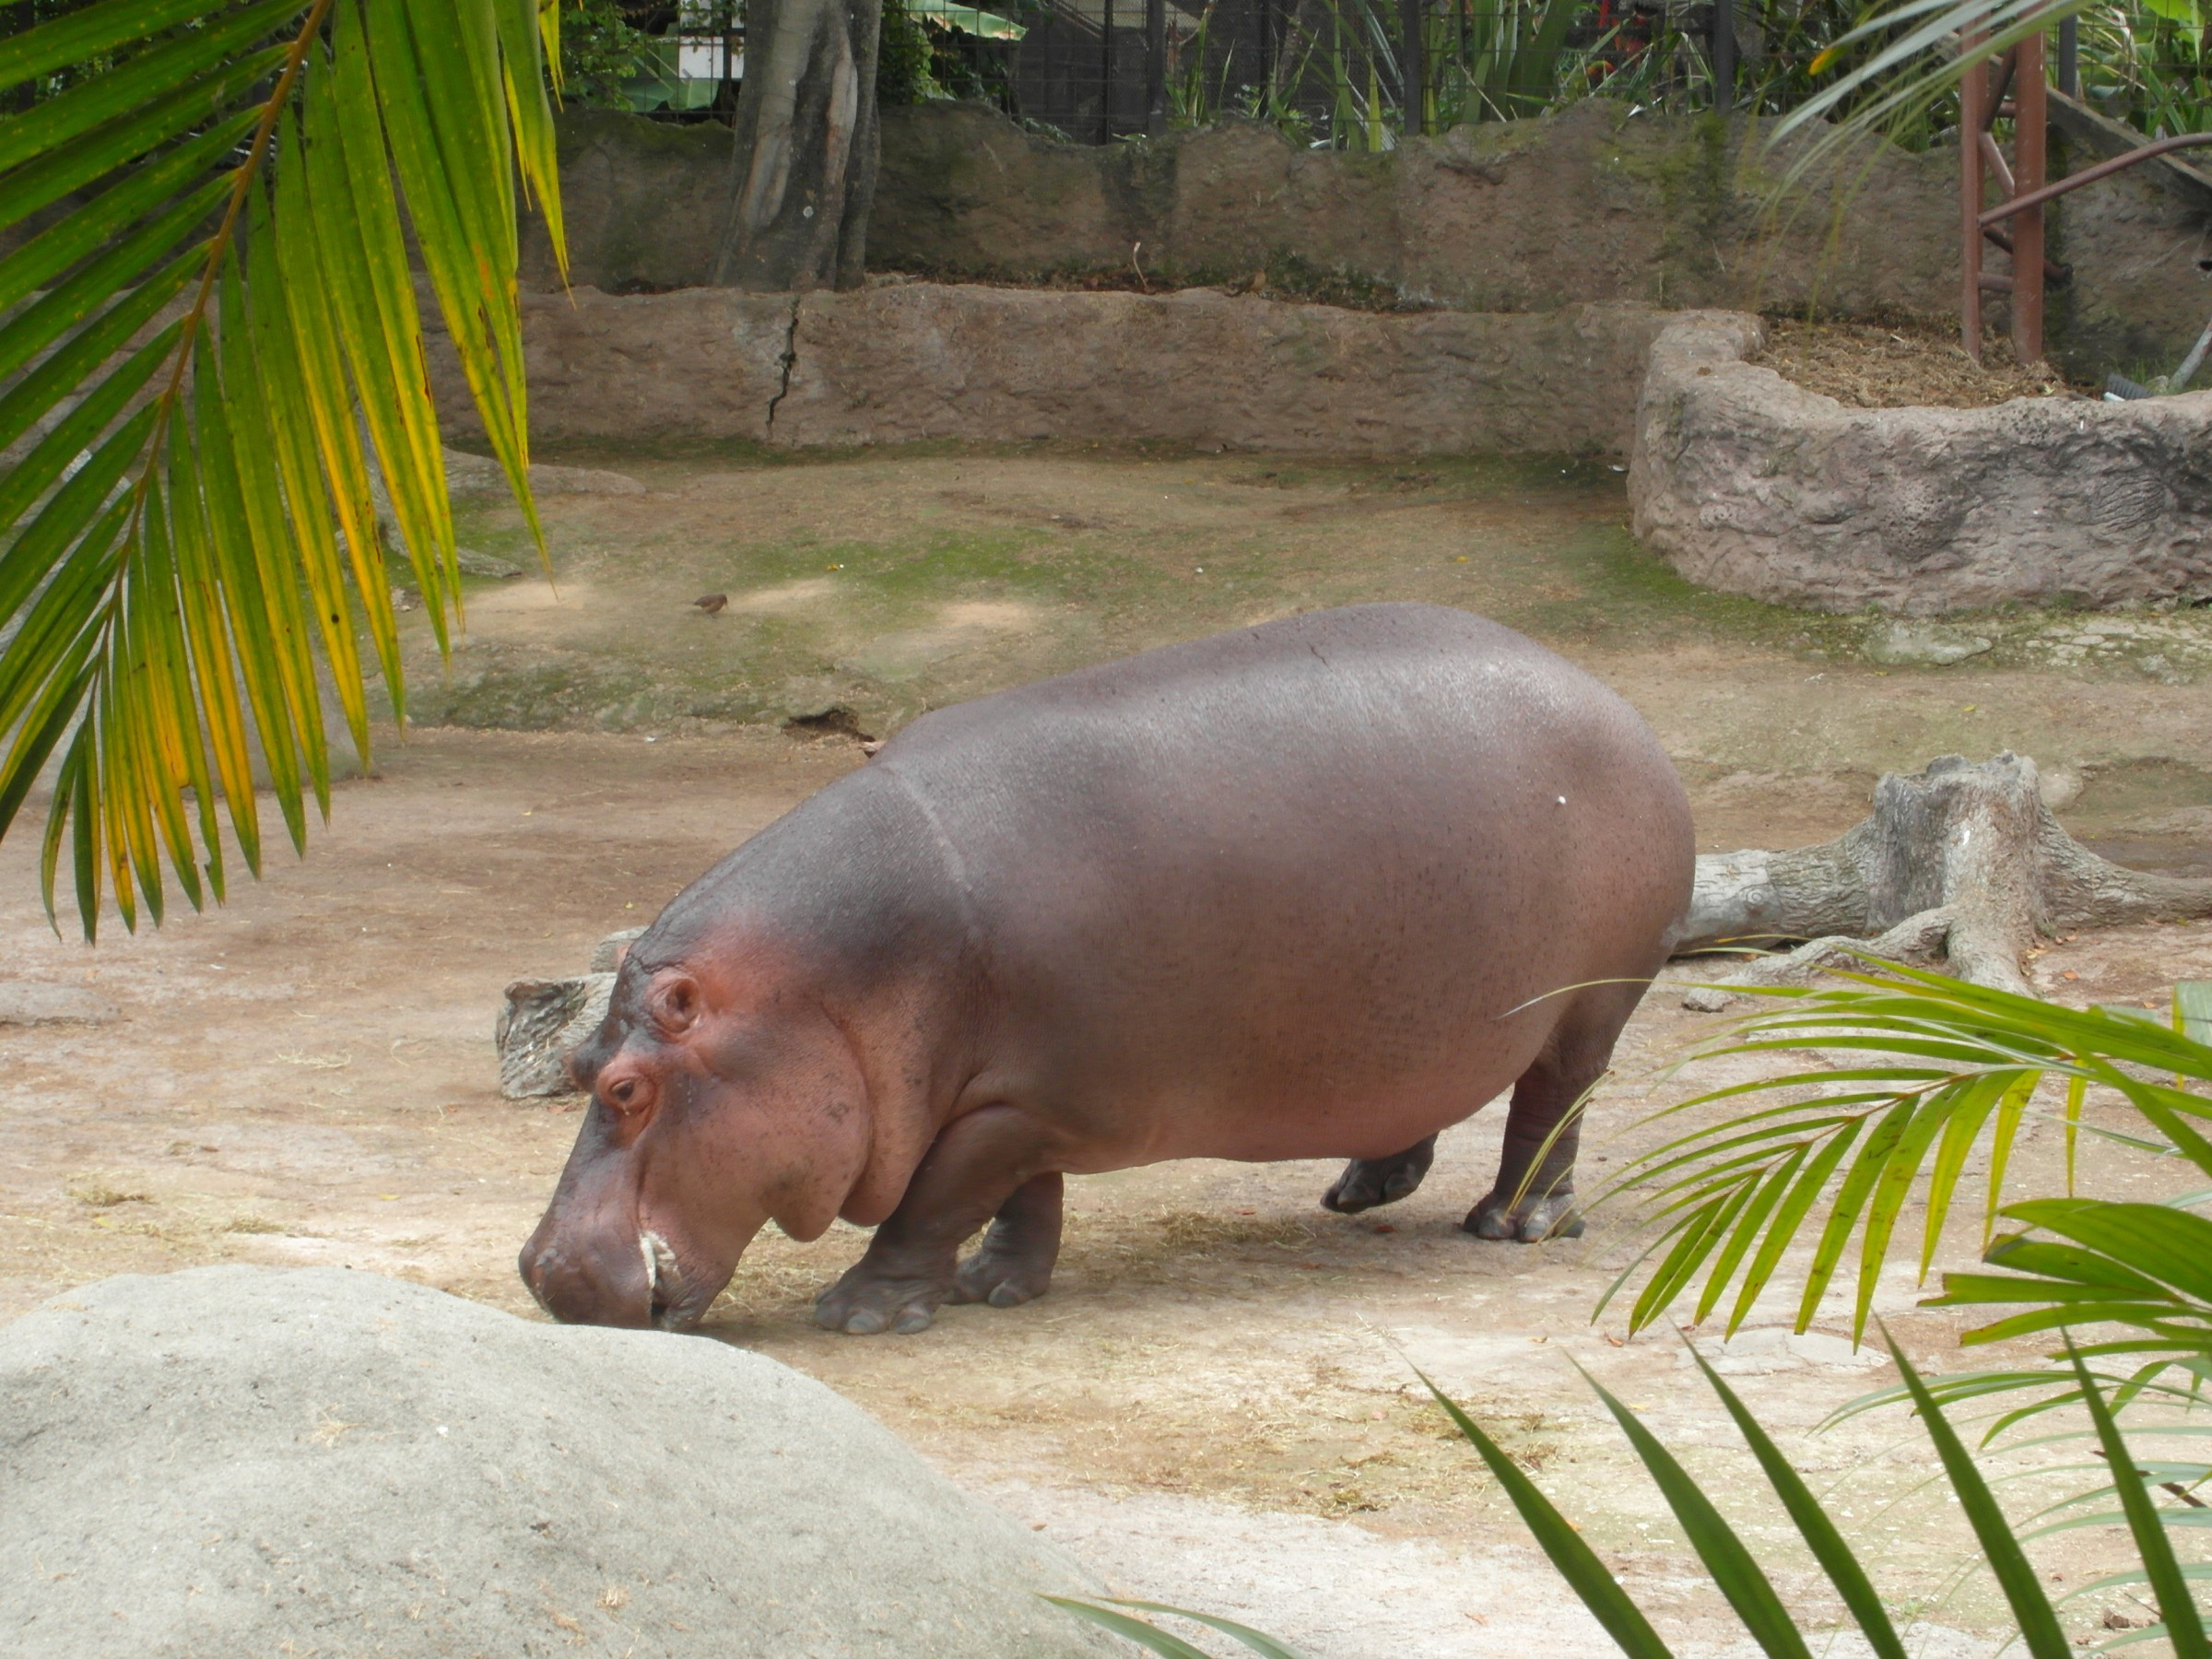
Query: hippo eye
(626,1095)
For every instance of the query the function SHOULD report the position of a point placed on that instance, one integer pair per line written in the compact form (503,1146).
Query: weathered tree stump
(1960,864)
(543,1020)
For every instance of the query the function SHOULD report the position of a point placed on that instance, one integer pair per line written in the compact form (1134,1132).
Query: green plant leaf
(2177,1608)
(182,405)
(2040,1631)
(87,33)
(1812,1521)
(1141,1631)
(1734,1571)
(1587,1576)
(1267,1647)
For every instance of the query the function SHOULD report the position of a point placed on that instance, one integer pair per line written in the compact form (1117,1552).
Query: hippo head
(723,1096)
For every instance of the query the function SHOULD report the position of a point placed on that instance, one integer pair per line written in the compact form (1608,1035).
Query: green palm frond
(208,332)
(1908,60)
(1946,1067)
(1733,1563)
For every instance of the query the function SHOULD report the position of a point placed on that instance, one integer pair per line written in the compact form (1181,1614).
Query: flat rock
(1923,645)
(248,1460)
(467,473)
(474,563)
(27,1002)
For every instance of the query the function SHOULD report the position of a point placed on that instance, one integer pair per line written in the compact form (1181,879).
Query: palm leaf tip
(157,648)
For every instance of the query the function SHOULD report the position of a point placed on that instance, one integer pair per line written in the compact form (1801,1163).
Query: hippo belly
(1320,888)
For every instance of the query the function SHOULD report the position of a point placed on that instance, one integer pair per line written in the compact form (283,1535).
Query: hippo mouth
(672,1305)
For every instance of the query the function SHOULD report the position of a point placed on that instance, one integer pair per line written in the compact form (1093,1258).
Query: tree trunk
(803,160)
(1960,861)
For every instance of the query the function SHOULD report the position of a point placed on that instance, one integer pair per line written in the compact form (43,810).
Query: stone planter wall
(900,363)
(1750,484)
(1598,203)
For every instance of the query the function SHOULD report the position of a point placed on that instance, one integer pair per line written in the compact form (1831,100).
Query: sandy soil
(1216,1404)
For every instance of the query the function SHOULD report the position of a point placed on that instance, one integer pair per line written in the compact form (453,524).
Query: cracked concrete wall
(701,365)
(1593,205)
(899,362)
(1748,483)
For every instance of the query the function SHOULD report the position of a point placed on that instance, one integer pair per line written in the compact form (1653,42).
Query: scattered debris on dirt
(1893,367)
(835,722)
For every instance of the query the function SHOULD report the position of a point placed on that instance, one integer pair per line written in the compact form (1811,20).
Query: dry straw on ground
(1882,367)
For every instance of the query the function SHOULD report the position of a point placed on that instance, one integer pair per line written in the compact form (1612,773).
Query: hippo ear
(674,1004)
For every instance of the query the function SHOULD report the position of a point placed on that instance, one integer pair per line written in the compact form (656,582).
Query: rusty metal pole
(2029,169)
(1155,66)
(1971,123)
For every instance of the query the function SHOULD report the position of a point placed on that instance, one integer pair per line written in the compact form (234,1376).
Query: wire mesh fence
(1339,74)
(1359,74)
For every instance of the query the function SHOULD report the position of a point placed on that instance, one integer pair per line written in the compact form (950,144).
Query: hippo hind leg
(1367,1182)
(1534,1197)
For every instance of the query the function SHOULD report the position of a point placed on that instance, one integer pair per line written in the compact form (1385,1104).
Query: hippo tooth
(661,1267)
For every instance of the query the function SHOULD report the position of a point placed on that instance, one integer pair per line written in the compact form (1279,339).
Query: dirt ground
(1876,366)
(1216,1404)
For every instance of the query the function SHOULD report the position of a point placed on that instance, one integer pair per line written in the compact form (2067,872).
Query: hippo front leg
(1367,1182)
(981,1165)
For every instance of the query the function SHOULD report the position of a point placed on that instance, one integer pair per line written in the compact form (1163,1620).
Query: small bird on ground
(712,603)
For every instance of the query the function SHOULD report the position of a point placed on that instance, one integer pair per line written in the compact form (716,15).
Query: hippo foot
(1005,1279)
(1552,1216)
(1367,1182)
(868,1301)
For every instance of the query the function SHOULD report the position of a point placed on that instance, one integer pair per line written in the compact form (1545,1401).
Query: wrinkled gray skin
(1316,889)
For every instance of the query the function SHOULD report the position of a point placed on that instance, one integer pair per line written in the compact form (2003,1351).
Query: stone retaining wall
(1750,484)
(1596,205)
(899,362)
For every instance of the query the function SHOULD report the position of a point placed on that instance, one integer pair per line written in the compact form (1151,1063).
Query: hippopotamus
(1319,887)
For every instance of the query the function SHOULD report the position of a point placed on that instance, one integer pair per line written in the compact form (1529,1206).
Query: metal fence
(1358,74)
(1344,74)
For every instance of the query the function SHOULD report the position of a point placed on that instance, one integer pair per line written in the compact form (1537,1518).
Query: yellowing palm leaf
(208,338)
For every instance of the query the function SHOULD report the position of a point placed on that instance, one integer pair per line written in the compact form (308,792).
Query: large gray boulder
(243,1460)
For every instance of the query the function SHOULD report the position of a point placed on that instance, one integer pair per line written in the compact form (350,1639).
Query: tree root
(1960,864)
(1917,939)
